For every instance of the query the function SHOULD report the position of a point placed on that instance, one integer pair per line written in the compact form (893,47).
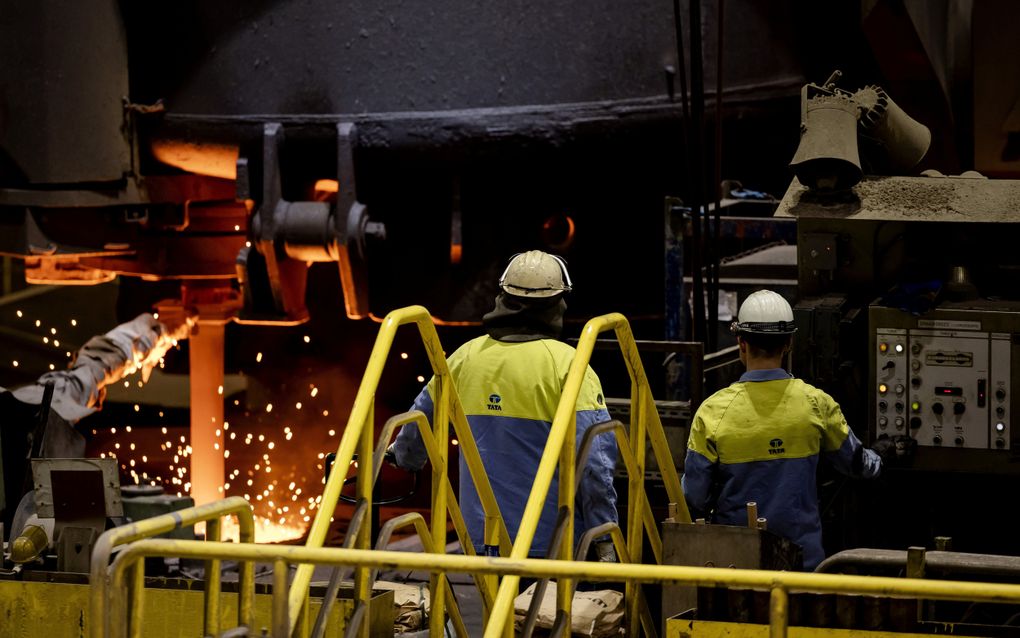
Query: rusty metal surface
(929,199)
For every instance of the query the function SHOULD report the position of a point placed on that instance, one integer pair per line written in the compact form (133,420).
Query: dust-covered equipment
(838,128)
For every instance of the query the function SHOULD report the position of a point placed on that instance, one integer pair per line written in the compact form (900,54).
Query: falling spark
(137,407)
(15,363)
(332,432)
(314,392)
(269,407)
(258,358)
(45,339)
(219,390)
(421,379)
(37,323)
(53,331)
(53,367)
(308,339)
(325,413)
(403,355)
(19,314)
(298,405)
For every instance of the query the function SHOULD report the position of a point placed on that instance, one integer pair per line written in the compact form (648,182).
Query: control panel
(943,379)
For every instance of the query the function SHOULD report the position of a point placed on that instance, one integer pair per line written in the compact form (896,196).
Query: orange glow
(327,186)
(214,160)
(266,530)
(456,251)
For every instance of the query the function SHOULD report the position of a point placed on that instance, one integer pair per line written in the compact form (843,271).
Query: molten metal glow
(266,530)
(214,160)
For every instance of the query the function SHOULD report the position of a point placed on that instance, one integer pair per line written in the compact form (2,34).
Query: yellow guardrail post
(99,586)
(779,583)
(645,426)
(568,489)
(358,434)
(779,605)
(365,483)
(441,434)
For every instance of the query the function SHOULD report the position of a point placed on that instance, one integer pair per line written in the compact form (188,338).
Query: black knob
(882,406)
(889,365)
(1000,394)
(958,408)
(958,440)
(899,406)
(937,439)
(916,382)
(915,347)
(1000,411)
(936,408)
(915,422)
(1000,442)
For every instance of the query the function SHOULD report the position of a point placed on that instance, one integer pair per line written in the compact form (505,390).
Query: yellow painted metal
(358,434)
(366,448)
(415,519)
(644,420)
(486,586)
(437,540)
(596,571)
(61,610)
(686,628)
(281,624)
(212,582)
(154,526)
(779,608)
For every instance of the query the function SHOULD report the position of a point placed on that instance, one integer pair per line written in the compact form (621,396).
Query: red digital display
(948,391)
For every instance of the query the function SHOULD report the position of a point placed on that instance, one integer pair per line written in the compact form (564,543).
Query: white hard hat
(765,312)
(535,274)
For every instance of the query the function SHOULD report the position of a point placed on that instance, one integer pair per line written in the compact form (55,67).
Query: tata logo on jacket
(494,400)
(776,446)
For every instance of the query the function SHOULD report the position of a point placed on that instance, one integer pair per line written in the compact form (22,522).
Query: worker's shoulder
(811,391)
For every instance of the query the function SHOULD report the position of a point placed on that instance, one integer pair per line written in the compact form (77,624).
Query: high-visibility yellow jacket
(510,391)
(760,440)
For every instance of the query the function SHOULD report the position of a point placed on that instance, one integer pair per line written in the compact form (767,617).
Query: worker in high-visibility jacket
(509,382)
(760,439)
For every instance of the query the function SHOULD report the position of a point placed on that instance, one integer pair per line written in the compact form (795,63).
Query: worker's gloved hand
(389,456)
(896,450)
(606,552)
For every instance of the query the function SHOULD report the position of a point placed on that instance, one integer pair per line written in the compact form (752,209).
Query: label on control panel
(945,324)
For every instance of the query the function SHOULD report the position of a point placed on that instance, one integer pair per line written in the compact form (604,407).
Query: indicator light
(1000,426)
(883,347)
(882,388)
(899,348)
(916,406)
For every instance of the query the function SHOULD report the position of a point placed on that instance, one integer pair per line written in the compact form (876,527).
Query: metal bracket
(288,236)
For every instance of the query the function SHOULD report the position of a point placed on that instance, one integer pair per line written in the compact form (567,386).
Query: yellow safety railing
(778,583)
(358,438)
(560,452)
(101,593)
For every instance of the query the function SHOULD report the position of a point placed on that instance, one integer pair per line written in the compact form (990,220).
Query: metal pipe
(540,586)
(154,526)
(211,622)
(337,574)
(280,620)
(779,604)
(595,571)
(205,379)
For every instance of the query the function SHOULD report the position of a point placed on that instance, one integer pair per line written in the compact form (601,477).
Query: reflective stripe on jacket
(510,392)
(759,440)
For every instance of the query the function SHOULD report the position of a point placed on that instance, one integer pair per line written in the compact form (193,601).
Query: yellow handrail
(778,582)
(645,423)
(358,434)
(147,528)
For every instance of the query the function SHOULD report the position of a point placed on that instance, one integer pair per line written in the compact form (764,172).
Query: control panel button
(882,388)
(883,421)
(1000,427)
(915,406)
(915,422)
(958,440)
(1000,443)
(915,365)
(1000,411)
(959,408)
(937,439)
(1000,394)
(898,422)
(898,348)
(883,347)
(882,406)
(899,388)
(936,408)
(916,382)
(899,407)
(915,347)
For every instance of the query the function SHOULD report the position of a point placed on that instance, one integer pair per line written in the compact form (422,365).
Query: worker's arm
(700,465)
(841,446)
(408,449)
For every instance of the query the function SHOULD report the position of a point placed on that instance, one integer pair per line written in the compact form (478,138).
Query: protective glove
(389,456)
(896,450)
(606,552)
(886,450)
